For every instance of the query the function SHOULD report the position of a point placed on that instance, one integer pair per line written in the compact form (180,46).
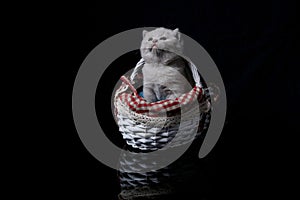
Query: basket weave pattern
(150,131)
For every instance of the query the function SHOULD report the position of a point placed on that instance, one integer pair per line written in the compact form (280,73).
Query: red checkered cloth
(139,105)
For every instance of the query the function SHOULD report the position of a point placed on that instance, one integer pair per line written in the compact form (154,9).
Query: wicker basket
(150,126)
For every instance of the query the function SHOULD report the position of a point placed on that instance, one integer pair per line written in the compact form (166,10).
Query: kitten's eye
(150,39)
(163,38)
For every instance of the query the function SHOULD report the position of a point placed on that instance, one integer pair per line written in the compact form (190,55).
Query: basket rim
(138,104)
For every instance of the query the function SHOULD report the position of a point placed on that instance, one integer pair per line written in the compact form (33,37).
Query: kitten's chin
(155,51)
(151,59)
(156,55)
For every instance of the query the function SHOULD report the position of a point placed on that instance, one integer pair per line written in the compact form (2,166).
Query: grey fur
(166,75)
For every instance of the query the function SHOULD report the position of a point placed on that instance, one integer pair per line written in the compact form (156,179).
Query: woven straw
(154,132)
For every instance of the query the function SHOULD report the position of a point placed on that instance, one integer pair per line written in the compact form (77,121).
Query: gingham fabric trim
(138,104)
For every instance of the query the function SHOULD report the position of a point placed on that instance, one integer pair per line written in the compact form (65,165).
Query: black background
(253,43)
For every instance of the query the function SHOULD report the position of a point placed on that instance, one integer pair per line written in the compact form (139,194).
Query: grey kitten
(165,74)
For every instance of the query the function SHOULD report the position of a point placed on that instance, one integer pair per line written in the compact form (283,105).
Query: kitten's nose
(154,41)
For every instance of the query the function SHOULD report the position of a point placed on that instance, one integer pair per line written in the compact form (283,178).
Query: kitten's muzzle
(153,47)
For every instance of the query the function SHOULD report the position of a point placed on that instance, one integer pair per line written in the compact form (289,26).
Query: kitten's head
(161,45)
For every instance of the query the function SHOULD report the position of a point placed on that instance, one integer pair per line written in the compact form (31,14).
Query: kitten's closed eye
(150,39)
(163,38)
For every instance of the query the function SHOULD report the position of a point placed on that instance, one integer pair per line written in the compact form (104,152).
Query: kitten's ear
(144,33)
(176,33)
